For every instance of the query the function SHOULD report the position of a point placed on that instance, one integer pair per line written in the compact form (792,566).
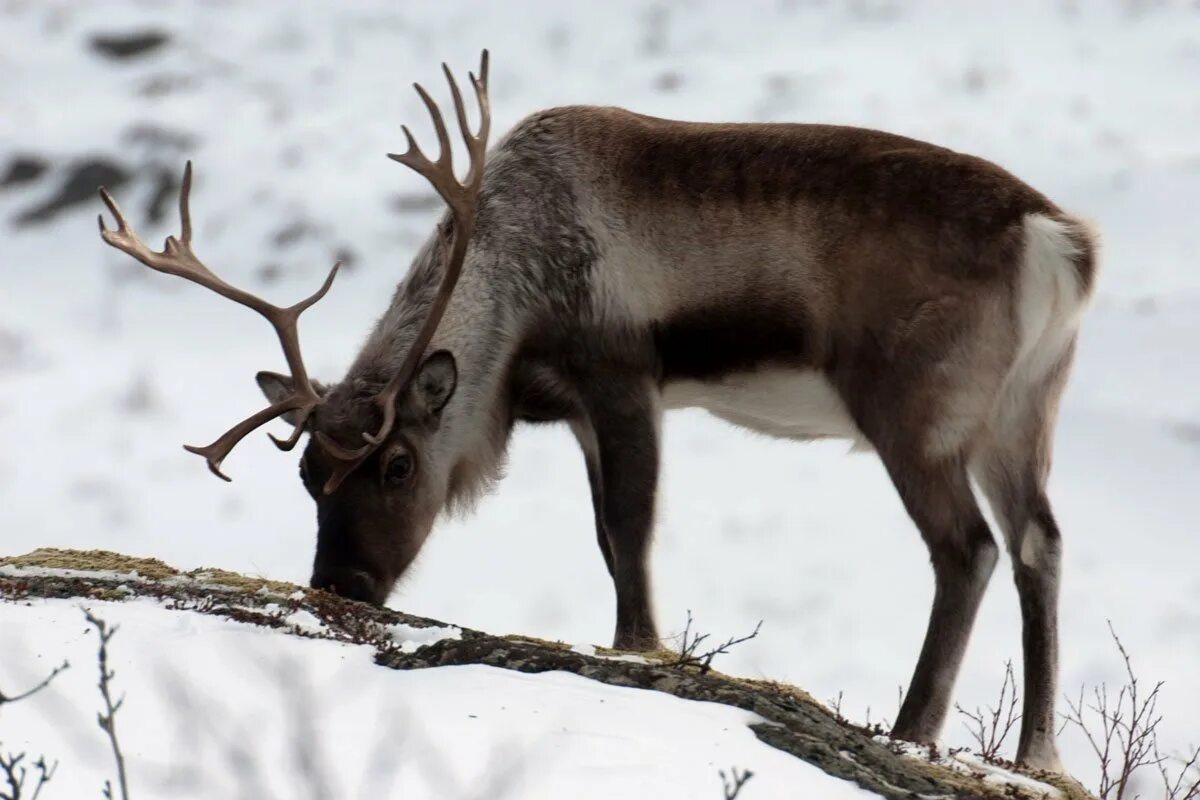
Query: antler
(177,258)
(462,198)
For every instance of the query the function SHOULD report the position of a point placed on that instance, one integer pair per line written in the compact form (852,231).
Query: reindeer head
(374,518)
(371,464)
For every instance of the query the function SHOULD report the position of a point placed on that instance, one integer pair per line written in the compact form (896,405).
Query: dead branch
(734,782)
(989,729)
(29,693)
(835,705)
(690,654)
(15,774)
(106,718)
(44,775)
(1186,784)
(1124,734)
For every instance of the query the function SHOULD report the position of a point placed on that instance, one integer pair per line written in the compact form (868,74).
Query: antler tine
(441,178)
(473,141)
(480,85)
(445,159)
(412,156)
(459,110)
(311,300)
(185,211)
(347,460)
(216,452)
(177,258)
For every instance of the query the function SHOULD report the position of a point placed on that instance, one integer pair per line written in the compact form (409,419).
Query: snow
(17,571)
(302,620)
(220,709)
(590,650)
(411,638)
(105,369)
(969,763)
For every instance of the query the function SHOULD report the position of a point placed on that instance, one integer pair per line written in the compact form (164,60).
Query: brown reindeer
(800,280)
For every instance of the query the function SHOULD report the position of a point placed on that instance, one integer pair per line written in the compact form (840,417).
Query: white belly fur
(793,404)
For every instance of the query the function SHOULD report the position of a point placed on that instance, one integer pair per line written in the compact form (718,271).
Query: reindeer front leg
(622,452)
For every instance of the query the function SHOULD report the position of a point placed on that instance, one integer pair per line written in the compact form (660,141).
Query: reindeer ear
(276,387)
(436,381)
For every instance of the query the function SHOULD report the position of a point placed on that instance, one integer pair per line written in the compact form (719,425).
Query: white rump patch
(791,404)
(1050,300)
(1050,304)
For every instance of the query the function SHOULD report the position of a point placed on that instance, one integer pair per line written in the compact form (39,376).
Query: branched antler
(463,200)
(177,258)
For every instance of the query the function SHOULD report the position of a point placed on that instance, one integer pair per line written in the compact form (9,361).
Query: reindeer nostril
(353,584)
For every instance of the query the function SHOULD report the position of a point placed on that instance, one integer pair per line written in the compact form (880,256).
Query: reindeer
(803,281)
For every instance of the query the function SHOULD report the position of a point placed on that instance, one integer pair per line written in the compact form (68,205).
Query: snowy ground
(343,727)
(105,370)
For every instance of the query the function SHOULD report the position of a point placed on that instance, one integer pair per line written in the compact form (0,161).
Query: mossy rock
(91,561)
(246,583)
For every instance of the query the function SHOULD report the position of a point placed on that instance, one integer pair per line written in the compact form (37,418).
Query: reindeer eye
(398,469)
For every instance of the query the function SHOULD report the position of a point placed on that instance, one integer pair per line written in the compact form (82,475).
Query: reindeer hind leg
(938,497)
(1012,468)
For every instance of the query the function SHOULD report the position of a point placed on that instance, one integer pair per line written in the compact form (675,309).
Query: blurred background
(288,110)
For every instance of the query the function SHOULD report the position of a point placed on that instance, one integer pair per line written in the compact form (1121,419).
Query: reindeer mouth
(353,584)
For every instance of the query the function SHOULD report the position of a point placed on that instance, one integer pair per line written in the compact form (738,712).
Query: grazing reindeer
(805,281)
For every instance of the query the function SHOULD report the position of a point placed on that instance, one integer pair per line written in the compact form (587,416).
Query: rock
(165,195)
(131,44)
(408,203)
(23,169)
(82,180)
(158,138)
(293,232)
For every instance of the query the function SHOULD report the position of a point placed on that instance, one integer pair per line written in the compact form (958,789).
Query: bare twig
(106,718)
(690,654)
(885,725)
(44,775)
(1127,737)
(29,693)
(1186,784)
(990,729)
(734,782)
(14,773)
(835,704)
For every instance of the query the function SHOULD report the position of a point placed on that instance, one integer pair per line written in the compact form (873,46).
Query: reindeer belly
(788,403)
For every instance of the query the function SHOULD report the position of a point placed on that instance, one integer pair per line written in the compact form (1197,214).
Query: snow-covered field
(288,109)
(342,727)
